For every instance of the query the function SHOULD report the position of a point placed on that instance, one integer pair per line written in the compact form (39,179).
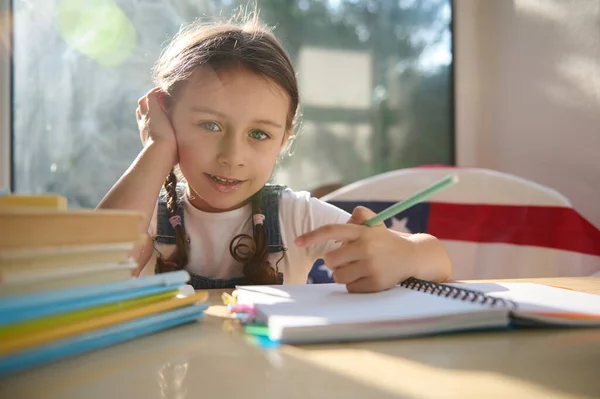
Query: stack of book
(67,283)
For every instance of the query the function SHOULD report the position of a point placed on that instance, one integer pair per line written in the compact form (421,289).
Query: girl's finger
(361,214)
(349,273)
(349,252)
(365,284)
(144,106)
(339,232)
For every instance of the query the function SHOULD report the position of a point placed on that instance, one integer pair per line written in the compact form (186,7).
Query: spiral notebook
(304,314)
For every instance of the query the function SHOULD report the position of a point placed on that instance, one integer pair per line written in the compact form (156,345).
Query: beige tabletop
(207,360)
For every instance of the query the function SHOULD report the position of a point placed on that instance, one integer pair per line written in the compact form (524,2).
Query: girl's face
(230,128)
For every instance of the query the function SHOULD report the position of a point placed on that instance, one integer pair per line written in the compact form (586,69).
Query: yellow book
(36,228)
(64,256)
(46,331)
(49,201)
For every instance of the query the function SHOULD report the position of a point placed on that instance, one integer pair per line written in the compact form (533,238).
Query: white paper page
(532,298)
(263,294)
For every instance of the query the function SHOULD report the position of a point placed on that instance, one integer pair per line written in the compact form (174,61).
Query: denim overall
(165,234)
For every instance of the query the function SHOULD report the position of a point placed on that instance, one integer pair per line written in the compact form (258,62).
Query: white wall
(528,92)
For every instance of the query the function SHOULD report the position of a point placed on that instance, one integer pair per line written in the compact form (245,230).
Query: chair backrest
(476,186)
(493,224)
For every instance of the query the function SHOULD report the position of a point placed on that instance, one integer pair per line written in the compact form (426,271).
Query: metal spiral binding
(462,294)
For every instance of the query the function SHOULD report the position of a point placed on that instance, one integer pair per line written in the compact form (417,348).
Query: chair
(494,225)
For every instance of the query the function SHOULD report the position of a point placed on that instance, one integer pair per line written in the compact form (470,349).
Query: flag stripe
(543,226)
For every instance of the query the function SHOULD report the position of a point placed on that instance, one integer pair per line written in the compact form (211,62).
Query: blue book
(26,307)
(100,338)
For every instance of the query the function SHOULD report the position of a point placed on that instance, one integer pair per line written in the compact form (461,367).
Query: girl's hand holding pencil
(371,258)
(374,258)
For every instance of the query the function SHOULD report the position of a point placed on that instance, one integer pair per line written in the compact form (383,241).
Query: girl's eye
(210,126)
(259,135)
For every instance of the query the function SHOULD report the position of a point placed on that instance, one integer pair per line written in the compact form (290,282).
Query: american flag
(493,240)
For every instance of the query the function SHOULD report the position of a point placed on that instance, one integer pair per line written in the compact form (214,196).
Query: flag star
(326,270)
(400,225)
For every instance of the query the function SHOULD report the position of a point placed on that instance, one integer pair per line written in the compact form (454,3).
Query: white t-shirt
(211,233)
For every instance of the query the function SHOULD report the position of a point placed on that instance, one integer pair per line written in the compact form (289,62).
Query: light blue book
(20,308)
(100,338)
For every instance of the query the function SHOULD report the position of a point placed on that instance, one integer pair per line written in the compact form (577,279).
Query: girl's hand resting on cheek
(370,259)
(154,124)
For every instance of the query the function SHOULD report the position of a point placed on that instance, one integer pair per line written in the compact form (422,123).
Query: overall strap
(270,208)
(165,233)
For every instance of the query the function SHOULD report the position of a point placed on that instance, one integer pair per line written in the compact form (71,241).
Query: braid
(179,259)
(253,252)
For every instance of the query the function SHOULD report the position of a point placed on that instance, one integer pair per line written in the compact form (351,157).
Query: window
(375,82)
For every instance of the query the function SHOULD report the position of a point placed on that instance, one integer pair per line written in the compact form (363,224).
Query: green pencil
(412,200)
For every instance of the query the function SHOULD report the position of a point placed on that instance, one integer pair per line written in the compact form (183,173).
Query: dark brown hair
(249,45)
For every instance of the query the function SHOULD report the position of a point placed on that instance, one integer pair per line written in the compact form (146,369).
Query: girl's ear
(165,102)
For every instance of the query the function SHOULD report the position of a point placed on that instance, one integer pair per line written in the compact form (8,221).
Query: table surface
(207,359)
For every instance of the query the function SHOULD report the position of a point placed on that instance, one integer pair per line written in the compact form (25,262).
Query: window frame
(6,92)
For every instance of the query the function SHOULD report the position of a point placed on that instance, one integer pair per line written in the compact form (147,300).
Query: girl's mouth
(222,180)
(224,185)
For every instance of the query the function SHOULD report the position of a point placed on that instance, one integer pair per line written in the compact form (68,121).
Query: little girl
(222,113)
